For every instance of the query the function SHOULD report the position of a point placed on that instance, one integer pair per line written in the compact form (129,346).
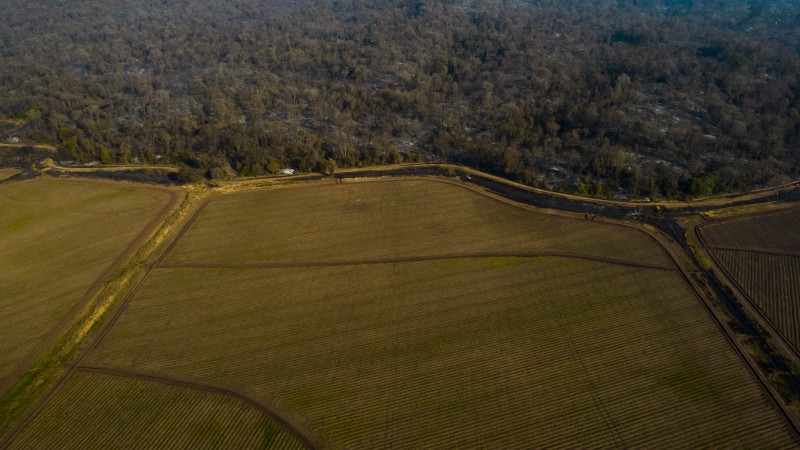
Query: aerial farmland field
(95,408)
(59,238)
(417,312)
(762,254)
(341,223)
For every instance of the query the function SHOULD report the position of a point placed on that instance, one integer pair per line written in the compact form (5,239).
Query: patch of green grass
(18,224)
(271,432)
(499,262)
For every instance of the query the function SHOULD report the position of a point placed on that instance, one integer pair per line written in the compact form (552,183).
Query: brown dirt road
(50,164)
(410,259)
(49,148)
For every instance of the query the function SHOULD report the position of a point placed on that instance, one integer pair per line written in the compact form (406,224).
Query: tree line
(644,97)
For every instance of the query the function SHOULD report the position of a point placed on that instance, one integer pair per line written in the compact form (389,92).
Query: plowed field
(762,254)
(417,313)
(458,353)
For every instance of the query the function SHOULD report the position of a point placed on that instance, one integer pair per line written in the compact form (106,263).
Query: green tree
(273,166)
(105,156)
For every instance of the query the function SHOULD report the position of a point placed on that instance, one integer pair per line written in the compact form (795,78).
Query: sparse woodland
(660,98)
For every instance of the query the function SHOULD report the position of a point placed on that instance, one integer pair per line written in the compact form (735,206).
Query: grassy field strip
(405,218)
(59,237)
(773,282)
(326,344)
(94,410)
(358,298)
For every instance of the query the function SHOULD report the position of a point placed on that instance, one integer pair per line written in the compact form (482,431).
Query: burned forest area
(631,100)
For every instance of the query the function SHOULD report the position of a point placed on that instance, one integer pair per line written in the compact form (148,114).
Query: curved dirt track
(411,259)
(71,315)
(281,419)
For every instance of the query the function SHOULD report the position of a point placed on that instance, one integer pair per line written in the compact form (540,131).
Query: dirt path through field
(282,419)
(411,259)
(69,318)
(50,164)
(49,148)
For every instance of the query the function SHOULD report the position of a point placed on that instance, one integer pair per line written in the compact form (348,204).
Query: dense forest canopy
(645,97)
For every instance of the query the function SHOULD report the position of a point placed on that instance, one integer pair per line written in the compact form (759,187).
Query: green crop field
(381,220)
(56,238)
(762,254)
(457,353)
(416,313)
(98,408)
